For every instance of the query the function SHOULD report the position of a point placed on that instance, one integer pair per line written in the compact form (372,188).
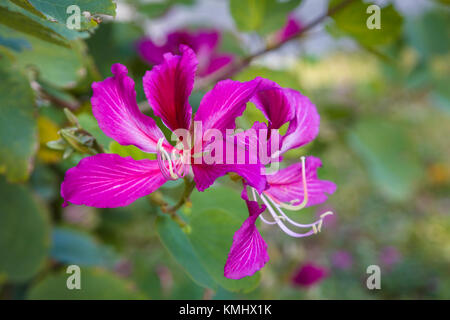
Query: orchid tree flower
(292,188)
(109,180)
(205,44)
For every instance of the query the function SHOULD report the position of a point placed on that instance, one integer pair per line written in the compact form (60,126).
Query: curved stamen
(283,227)
(177,168)
(300,206)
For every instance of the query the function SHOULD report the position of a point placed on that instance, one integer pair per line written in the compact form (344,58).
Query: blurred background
(384,100)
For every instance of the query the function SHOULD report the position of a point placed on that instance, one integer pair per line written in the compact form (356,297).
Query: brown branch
(234,68)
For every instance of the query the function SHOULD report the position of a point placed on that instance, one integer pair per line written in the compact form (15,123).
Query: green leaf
(114,43)
(130,151)
(24,233)
(180,247)
(96,284)
(57,9)
(18,128)
(212,236)
(389,157)
(21,22)
(73,247)
(425,33)
(15,44)
(213,229)
(352,20)
(263,16)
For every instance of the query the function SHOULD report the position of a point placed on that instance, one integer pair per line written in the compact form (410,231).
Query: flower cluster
(109,180)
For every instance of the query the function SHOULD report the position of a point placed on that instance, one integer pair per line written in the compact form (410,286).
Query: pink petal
(248,252)
(215,62)
(108,181)
(305,125)
(168,86)
(309,274)
(274,104)
(150,52)
(221,106)
(118,115)
(287,184)
(290,29)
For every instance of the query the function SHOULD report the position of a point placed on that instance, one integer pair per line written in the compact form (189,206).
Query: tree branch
(234,68)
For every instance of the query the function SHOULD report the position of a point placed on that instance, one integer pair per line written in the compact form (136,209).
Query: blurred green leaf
(96,284)
(24,233)
(352,20)
(389,156)
(57,9)
(180,247)
(74,247)
(426,33)
(262,16)
(113,43)
(15,44)
(217,214)
(18,128)
(16,18)
(130,151)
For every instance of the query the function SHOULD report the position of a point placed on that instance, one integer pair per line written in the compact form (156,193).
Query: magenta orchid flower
(292,188)
(309,274)
(205,44)
(109,180)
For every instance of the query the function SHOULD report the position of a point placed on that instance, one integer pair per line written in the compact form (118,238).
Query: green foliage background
(383,97)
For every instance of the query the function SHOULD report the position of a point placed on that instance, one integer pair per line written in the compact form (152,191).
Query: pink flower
(290,29)
(108,180)
(308,275)
(204,43)
(292,188)
(390,256)
(342,260)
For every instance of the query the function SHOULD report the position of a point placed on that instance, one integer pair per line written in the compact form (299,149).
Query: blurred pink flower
(389,256)
(203,42)
(309,274)
(342,260)
(290,29)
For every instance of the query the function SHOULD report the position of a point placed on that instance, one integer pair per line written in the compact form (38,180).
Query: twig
(234,68)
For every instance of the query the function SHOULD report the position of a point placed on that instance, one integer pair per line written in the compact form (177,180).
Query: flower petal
(118,115)
(274,104)
(216,62)
(221,106)
(150,52)
(168,87)
(108,180)
(304,127)
(287,185)
(290,29)
(248,252)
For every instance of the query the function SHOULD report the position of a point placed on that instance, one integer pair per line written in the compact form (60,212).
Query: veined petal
(304,127)
(108,180)
(248,252)
(221,106)
(271,99)
(118,115)
(168,87)
(287,185)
